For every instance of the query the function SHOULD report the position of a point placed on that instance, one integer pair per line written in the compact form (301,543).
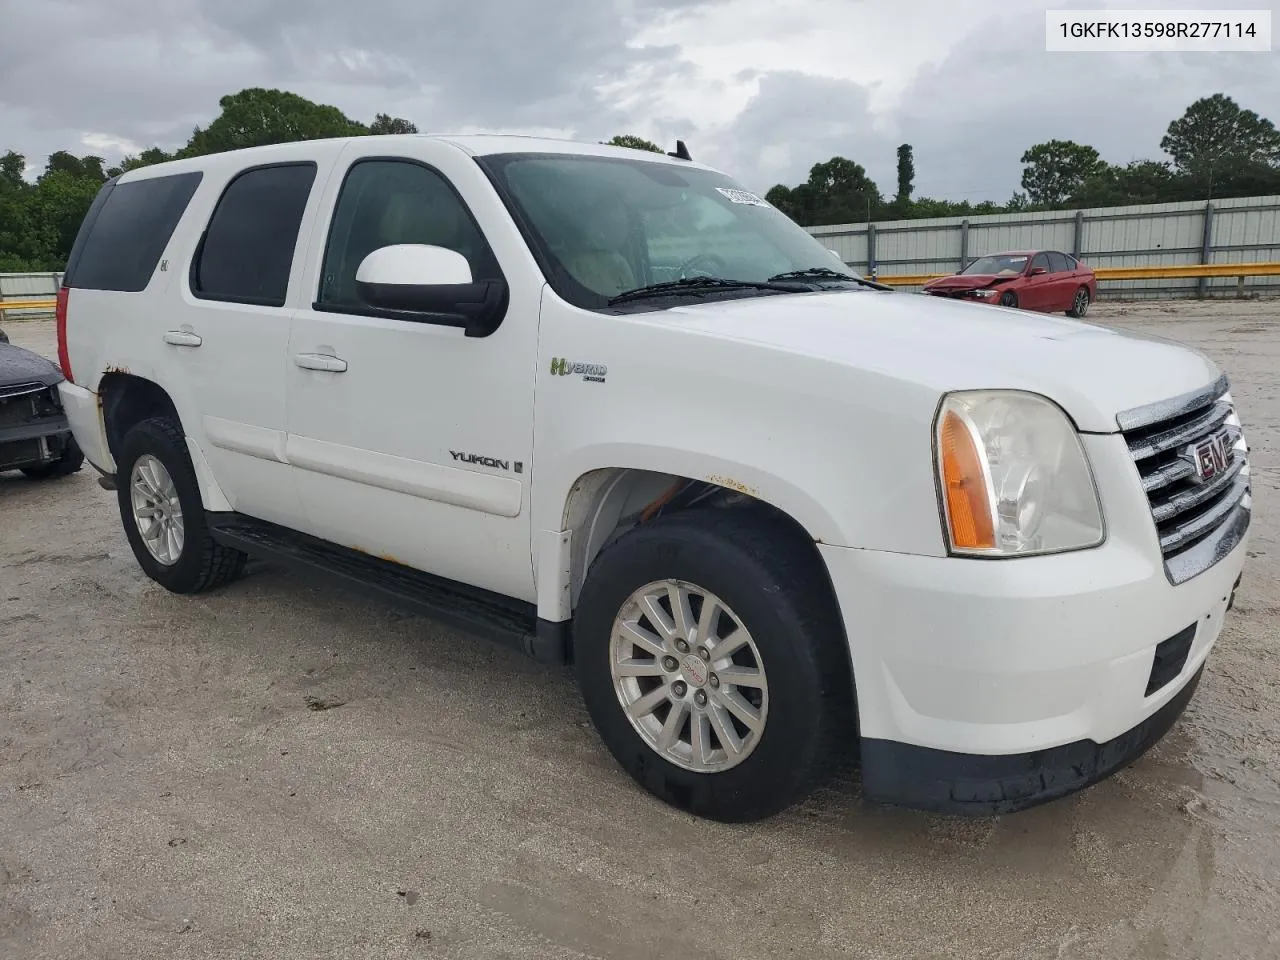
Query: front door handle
(320,361)
(182,338)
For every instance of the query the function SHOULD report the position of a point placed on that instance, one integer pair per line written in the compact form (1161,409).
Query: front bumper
(982,785)
(966,296)
(33,429)
(1057,668)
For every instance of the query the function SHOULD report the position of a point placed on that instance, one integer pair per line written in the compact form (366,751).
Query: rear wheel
(711,659)
(163,514)
(1080,304)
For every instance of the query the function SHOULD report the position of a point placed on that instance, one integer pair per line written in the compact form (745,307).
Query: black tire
(203,563)
(1009,299)
(777,586)
(70,462)
(1079,304)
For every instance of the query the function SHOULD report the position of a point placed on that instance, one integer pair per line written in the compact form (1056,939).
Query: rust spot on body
(733,484)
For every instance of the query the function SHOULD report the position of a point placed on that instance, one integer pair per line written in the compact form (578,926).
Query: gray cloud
(796,120)
(129,70)
(972,115)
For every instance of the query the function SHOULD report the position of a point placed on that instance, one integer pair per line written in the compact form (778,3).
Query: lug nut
(682,646)
(679,688)
(700,698)
(670,664)
(714,680)
(703,653)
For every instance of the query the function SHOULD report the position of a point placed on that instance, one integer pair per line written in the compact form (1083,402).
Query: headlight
(1013,476)
(985,293)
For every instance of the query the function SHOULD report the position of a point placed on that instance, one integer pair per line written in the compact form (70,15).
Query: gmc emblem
(1209,457)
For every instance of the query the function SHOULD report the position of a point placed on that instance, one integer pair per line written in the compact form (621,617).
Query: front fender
(846,452)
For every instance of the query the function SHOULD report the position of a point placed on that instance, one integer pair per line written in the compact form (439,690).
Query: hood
(1092,372)
(968,281)
(18,365)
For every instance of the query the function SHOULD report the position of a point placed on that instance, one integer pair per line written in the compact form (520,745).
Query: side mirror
(1036,271)
(432,285)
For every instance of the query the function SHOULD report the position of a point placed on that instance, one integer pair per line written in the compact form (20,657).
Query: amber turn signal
(965,487)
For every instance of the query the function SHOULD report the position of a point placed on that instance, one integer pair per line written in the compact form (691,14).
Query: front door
(409,440)
(1038,292)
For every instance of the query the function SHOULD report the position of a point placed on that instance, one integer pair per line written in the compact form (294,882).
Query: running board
(470,609)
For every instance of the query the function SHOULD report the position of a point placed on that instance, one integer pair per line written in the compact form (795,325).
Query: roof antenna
(682,152)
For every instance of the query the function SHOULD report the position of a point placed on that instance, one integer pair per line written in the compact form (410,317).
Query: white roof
(476,144)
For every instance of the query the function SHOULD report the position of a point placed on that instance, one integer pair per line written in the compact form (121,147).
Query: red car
(1047,281)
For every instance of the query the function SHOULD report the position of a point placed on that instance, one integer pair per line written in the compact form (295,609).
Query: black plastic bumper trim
(981,785)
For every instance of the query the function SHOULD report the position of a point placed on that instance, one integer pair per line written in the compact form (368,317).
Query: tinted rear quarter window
(247,251)
(126,231)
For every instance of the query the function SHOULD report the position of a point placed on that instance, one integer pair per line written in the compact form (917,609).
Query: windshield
(603,226)
(1002,265)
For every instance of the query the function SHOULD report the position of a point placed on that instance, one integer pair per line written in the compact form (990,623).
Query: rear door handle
(320,361)
(182,338)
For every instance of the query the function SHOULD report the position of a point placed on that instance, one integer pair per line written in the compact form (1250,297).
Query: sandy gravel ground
(166,792)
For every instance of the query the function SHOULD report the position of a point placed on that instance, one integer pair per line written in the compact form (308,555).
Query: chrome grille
(1200,512)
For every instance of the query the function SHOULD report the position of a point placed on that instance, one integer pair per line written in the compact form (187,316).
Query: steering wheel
(718,266)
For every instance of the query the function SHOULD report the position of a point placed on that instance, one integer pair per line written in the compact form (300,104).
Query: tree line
(1215,149)
(39,221)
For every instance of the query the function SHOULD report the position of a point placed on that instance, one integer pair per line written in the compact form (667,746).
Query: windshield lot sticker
(741,196)
(590,372)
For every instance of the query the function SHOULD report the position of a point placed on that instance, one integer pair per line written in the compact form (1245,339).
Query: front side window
(388,202)
(247,251)
(999,265)
(1059,262)
(1042,260)
(602,226)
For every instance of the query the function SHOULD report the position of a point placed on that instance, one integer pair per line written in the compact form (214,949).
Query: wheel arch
(605,502)
(127,399)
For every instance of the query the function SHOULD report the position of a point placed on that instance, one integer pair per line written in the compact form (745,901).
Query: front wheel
(163,514)
(711,659)
(1079,305)
(1008,299)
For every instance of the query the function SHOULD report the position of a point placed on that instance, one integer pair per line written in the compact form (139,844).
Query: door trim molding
(469,489)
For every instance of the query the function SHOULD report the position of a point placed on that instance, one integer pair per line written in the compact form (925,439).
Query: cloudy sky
(761,89)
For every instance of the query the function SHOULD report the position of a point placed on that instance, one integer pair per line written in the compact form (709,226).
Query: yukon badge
(487,461)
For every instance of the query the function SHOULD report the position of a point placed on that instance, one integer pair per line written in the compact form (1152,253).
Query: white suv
(616,409)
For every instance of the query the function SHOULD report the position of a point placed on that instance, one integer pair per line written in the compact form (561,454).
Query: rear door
(1063,288)
(227,340)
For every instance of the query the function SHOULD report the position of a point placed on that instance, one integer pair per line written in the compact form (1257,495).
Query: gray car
(34,434)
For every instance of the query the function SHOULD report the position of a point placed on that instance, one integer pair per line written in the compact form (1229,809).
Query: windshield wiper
(696,285)
(823,273)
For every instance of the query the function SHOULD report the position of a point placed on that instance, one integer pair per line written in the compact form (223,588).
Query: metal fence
(1239,230)
(28,286)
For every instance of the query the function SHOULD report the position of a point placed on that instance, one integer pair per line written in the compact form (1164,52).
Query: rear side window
(126,231)
(1059,263)
(247,250)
